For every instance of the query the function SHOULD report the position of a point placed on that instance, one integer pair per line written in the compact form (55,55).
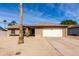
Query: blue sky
(34,13)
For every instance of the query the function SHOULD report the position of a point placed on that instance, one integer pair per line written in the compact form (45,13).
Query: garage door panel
(52,32)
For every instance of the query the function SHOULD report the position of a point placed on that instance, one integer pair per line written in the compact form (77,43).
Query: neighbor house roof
(73,26)
(13,27)
(2,28)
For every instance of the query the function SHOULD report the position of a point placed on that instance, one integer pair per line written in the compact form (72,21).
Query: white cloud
(30,19)
(69,13)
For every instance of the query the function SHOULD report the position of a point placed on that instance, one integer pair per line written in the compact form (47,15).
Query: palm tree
(21,27)
(5,21)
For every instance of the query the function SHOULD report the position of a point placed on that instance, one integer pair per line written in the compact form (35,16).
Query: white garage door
(52,33)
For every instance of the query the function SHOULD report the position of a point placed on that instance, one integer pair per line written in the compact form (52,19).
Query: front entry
(32,32)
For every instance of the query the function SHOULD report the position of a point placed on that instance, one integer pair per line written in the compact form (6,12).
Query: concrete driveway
(37,46)
(65,46)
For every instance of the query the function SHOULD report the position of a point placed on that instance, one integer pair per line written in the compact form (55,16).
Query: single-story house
(73,30)
(41,30)
(13,30)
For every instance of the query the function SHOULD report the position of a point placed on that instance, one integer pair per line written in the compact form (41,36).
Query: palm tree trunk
(21,27)
(4,25)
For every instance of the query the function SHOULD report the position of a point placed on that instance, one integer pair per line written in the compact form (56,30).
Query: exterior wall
(9,32)
(4,34)
(39,31)
(17,32)
(64,32)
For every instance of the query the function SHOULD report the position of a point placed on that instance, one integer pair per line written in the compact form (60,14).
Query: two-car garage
(51,31)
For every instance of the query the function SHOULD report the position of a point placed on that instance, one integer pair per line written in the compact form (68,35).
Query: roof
(48,25)
(13,27)
(37,25)
(73,26)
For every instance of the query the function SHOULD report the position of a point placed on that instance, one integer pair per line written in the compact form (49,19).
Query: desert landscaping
(38,46)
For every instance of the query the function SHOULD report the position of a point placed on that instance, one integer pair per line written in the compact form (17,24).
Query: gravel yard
(38,46)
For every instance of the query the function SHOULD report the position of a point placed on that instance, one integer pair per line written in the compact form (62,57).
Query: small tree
(68,22)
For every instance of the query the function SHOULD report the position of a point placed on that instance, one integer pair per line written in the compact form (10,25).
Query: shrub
(27,32)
